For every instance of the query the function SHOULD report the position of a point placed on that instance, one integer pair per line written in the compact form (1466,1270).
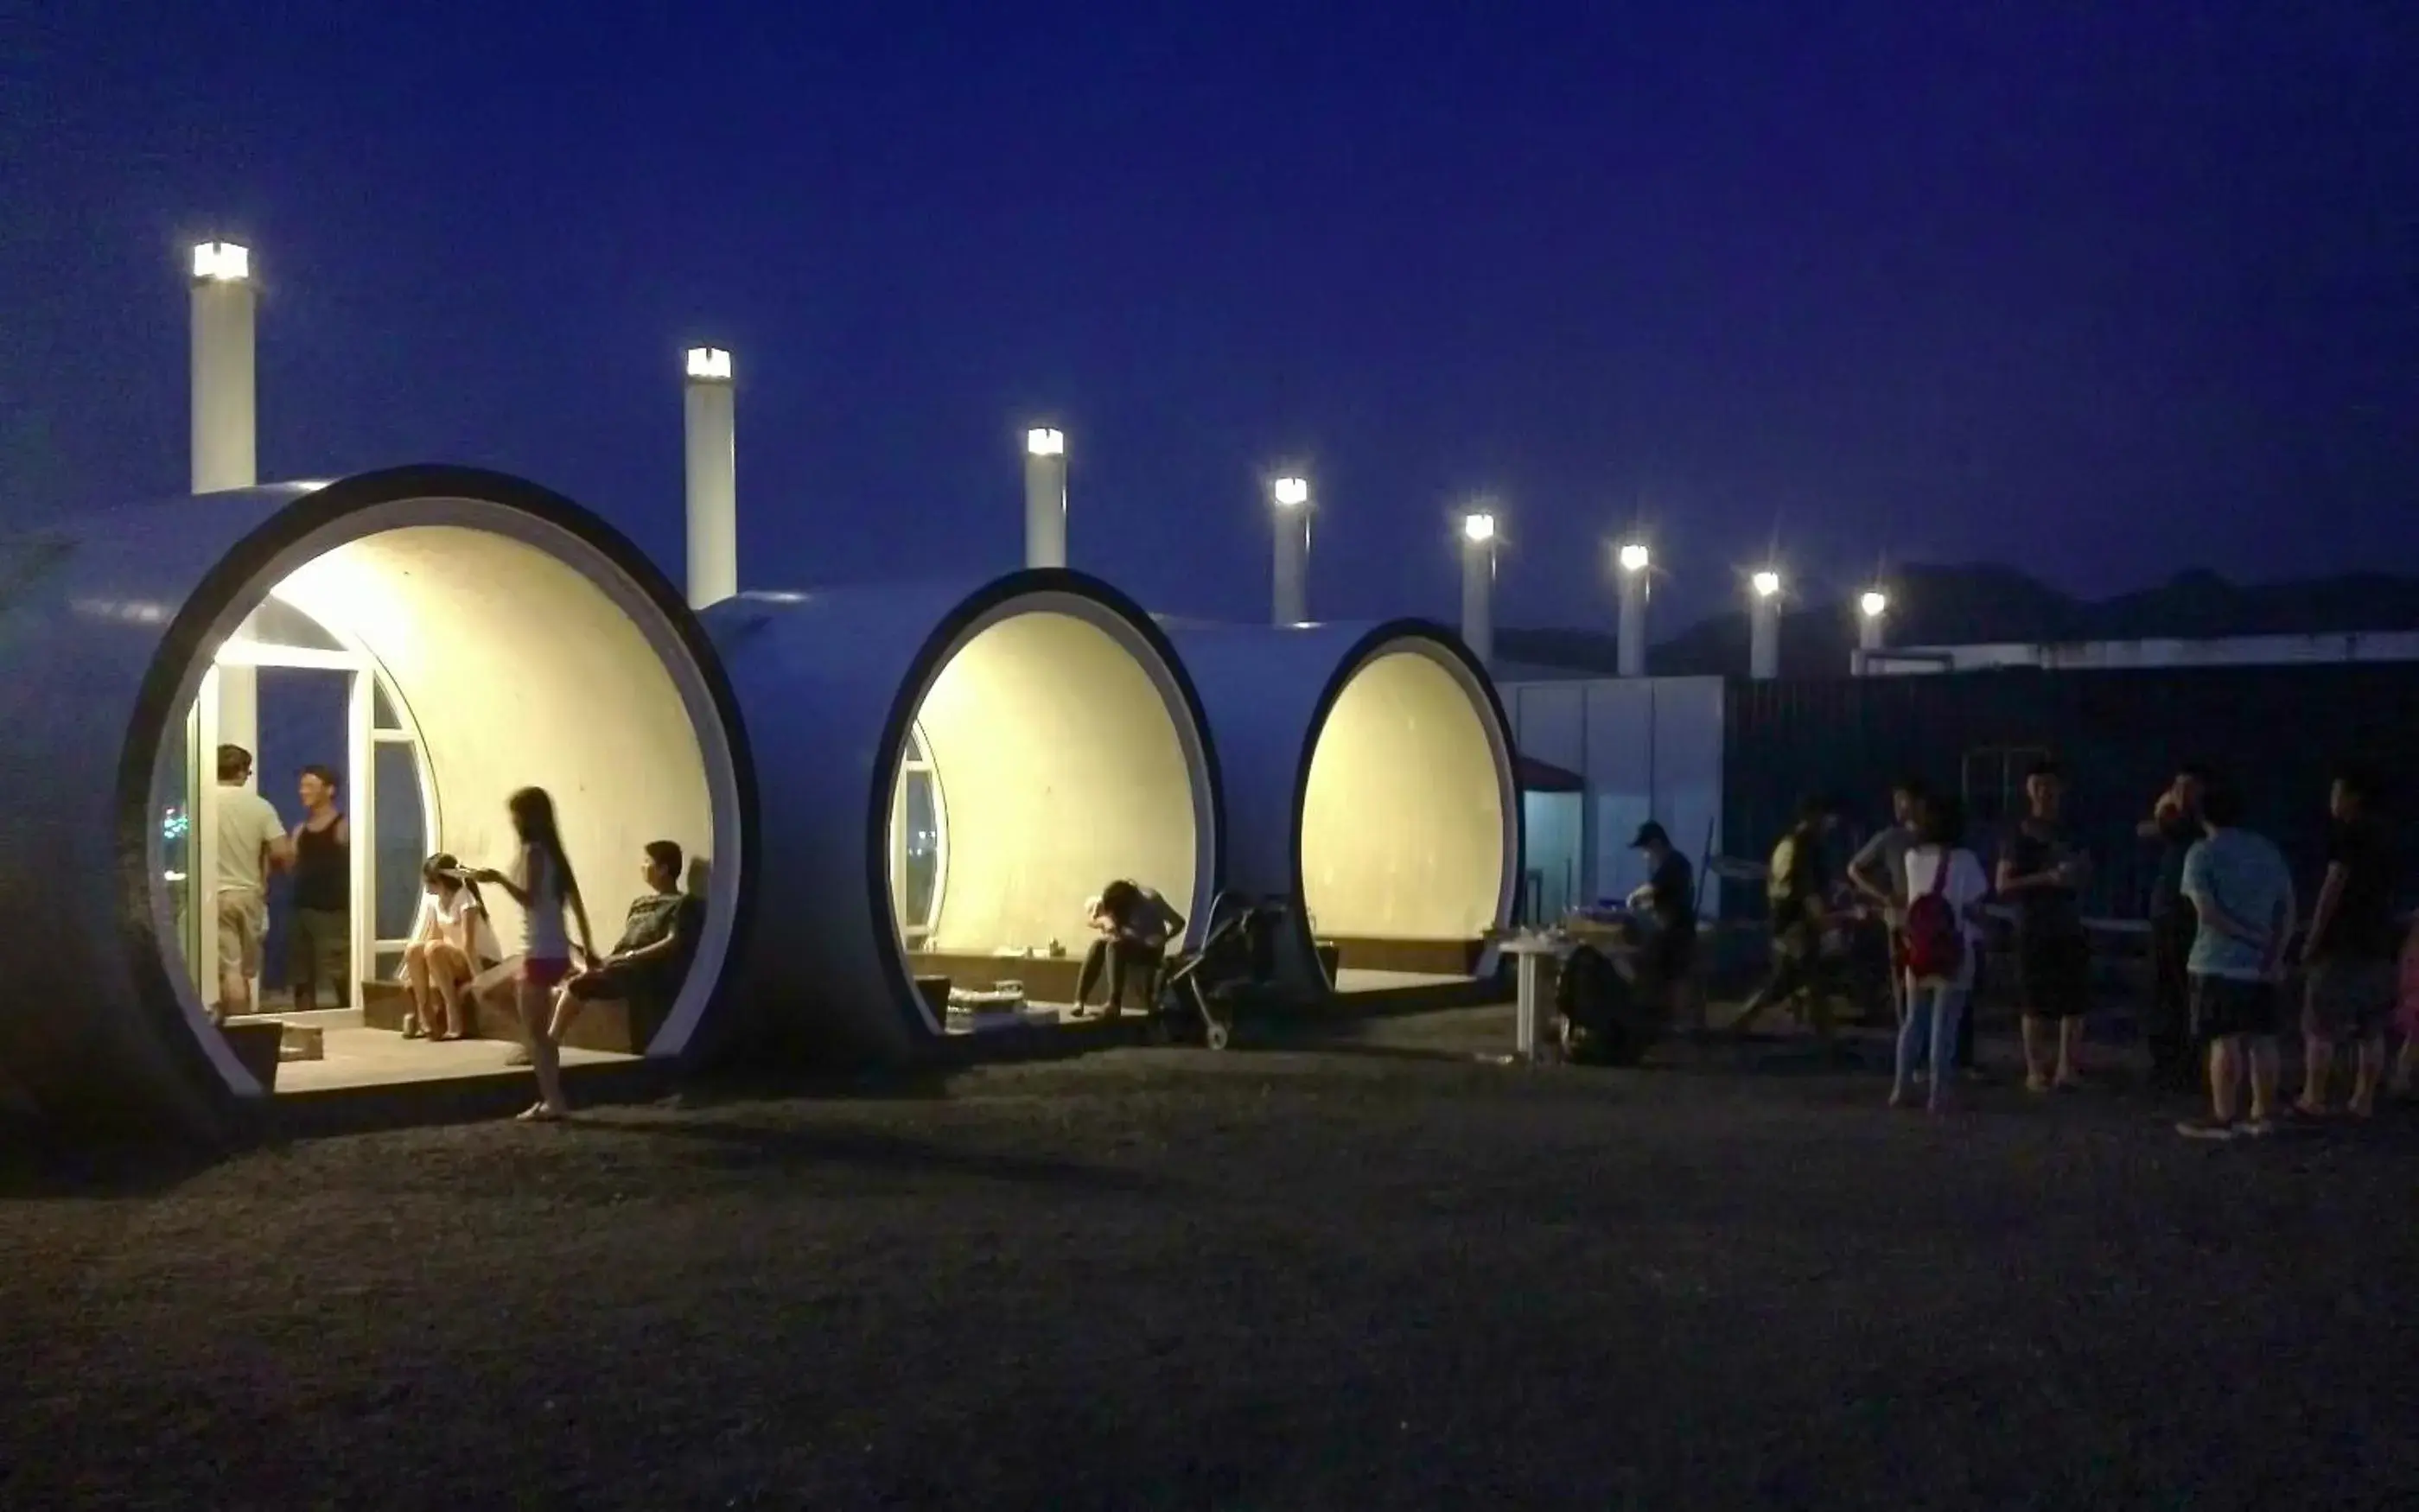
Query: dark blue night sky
(2101,291)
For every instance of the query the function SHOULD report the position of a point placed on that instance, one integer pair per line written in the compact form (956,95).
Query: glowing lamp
(1766,583)
(221,261)
(1634,557)
(1478,528)
(711,362)
(1045,443)
(1292,492)
(1875,604)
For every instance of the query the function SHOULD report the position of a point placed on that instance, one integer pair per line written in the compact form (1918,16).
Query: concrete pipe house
(949,775)
(466,634)
(1370,786)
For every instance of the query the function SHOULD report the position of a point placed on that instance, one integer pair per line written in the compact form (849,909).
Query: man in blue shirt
(2242,892)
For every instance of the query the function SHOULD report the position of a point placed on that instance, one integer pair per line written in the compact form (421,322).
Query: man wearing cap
(1670,896)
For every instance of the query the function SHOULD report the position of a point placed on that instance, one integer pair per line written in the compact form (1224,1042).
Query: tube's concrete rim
(313,510)
(1036,590)
(1440,644)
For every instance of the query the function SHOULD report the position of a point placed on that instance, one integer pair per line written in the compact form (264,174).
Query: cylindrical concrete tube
(529,643)
(1370,786)
(1065,747)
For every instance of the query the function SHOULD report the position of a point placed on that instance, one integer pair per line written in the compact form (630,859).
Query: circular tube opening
(1408,845)
(1052,750)
(473,647)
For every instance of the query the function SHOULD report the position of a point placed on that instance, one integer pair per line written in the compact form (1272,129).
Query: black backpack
(1603,1021)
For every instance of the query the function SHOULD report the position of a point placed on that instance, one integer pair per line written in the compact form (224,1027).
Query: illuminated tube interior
(947,772)
(1050,755)
(1403,821)
(519,656)
(456,634)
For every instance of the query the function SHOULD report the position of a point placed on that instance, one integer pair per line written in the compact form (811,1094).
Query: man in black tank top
(321,948)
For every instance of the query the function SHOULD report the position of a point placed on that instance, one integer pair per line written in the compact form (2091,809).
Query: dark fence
(2276,733)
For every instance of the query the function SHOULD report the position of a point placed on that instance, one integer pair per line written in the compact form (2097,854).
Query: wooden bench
(1428,957)
(1050,979)
(608,1024)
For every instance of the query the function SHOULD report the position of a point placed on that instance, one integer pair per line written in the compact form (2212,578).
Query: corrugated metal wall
(2277,732)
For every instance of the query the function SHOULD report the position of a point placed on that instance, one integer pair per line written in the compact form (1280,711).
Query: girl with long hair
(543,884)
(451,943)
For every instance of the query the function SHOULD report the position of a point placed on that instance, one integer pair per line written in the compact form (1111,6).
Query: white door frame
(360,800)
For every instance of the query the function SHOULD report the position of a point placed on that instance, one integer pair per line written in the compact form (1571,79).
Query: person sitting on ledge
(1135,924)
(650,961)
(451,943)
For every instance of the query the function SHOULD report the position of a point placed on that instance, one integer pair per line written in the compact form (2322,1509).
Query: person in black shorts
(2242,892)
(2351,950)
(2042,875)
(1671,899)
(650,962)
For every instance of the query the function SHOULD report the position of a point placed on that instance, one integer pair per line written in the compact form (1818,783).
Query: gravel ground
(1374,1276)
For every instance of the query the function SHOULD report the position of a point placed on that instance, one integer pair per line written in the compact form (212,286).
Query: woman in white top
(1945,887)
(451,943)
(544,886)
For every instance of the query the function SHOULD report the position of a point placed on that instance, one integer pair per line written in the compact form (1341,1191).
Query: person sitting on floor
(648,964)
(451,943)
(1136,926)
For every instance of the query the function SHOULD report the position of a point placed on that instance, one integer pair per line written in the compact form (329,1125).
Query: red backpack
(1934,942)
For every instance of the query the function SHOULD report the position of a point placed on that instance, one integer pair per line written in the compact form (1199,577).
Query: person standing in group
(251,843)
(546,888)
(1796,888)
(2242,892)
(2405,1084)
(320,947)
(2350,950)
(2042,876)
(1672,898)
(1878,871)
(1945,887)
(2174,824)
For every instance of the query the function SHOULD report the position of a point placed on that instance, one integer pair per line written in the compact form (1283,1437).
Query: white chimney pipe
(1290,603)
(1873,612)
(224,449)
(710,411)
(1045,497)
(1631,649)
(1478,585)
(1763,628)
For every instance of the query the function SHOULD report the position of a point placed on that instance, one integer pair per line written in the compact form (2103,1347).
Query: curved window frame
(914,766)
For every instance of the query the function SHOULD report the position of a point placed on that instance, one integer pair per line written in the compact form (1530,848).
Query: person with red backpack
(1938,942)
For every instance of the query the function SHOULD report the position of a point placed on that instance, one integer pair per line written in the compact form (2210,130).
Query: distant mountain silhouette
(1981,602)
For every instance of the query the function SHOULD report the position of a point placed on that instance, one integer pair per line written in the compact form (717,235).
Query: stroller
(1235,968)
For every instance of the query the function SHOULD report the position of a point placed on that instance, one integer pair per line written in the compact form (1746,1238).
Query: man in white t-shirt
(251,839)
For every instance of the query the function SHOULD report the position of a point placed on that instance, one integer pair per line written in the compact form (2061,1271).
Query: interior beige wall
(1403,826)
(519,671)
(1060,768)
